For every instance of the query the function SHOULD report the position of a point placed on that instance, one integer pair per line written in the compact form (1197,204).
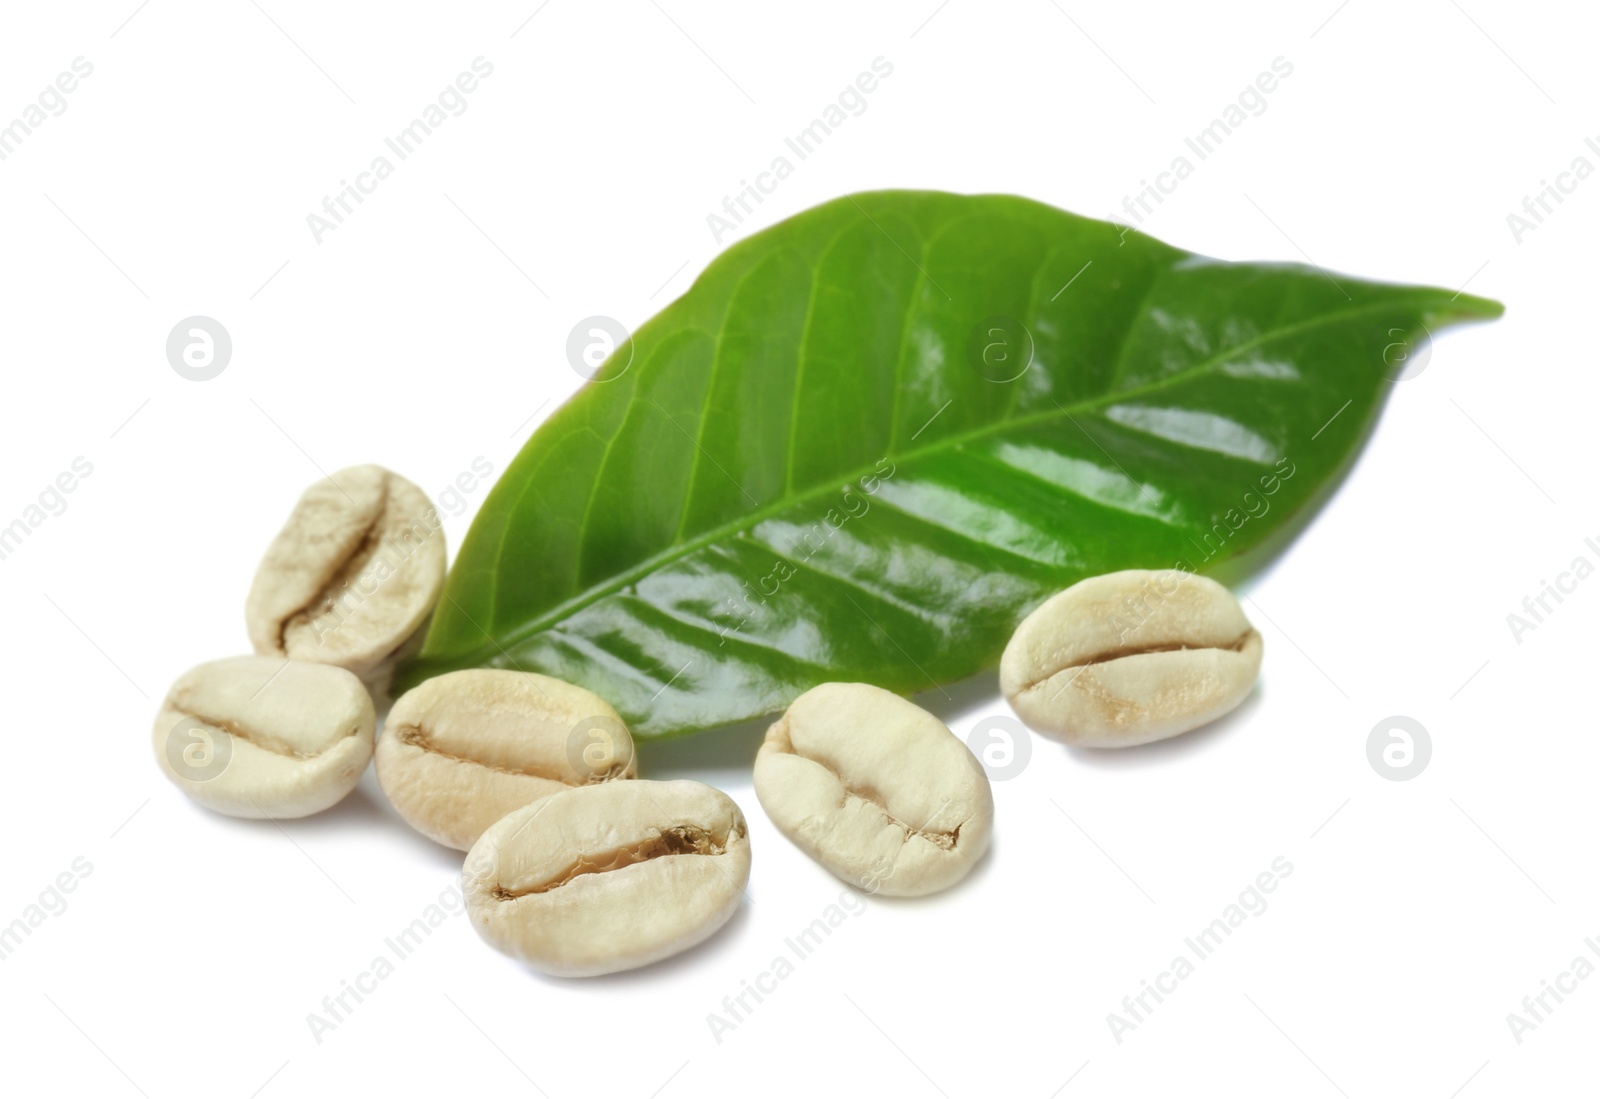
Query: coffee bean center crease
(342,573)
(418,738)
(684,839)
(265,741)
(1109,655)
(945,841)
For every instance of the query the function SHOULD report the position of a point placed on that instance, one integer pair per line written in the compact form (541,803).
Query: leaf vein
(745,522)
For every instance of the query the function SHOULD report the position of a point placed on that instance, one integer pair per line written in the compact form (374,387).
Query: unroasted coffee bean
(259,736)
(465,748)
(876,789)
(603,878)
(1131,657)
(352,575)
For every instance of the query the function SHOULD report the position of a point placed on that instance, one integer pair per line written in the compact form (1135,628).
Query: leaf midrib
(680,550)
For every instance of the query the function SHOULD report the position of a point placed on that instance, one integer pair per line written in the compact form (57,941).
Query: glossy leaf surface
(870,439)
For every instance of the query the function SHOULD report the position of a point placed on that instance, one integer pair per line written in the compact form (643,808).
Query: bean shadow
(730,748)
(964,695)
(364,811)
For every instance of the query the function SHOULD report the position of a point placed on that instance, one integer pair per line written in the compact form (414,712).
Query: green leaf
(834,459)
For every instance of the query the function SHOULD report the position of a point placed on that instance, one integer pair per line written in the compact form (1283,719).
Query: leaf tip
(1467,307)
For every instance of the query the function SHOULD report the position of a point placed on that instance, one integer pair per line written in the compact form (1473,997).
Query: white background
(429,329)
